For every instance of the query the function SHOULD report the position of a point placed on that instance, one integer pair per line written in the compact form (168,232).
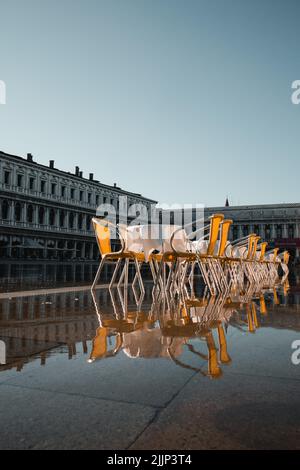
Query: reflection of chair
(99,344)
(130,330)
(262,302)
(187,325)
(224,356)
(251,317)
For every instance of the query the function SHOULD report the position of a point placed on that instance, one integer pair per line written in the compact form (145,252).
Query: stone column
(46,216)
(74,251)
(36,215)
(45,251)
(273,233)
(75,222)
(285,231)
(11,215)
(83,222)
(56,218)
(82,254)
(67,213)
(14,177)
(91,251)
(9,246)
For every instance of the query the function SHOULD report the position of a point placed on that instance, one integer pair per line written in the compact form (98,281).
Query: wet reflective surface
(82,371)
(18,276)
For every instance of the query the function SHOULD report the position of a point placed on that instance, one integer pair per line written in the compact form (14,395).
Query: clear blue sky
(185,101)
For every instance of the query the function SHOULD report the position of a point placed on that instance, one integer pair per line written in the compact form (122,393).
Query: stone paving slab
(266,353)
(144,381)
(236,412)
(34,419)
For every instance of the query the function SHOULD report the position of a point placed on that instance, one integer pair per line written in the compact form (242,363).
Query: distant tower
(227,202)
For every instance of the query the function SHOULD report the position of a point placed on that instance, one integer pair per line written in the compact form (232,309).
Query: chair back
(263,247)
(225,226)
(178,236)
(275,252)
(215,221)
(102,232)
(131,236)
(251,239)
(286,257)
(254,247)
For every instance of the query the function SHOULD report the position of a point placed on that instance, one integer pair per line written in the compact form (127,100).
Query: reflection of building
(46,213)
(36,324)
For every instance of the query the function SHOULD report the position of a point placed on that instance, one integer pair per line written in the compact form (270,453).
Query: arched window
(52,217)
(18,212)
(30,214)
(5,210)
(41,215)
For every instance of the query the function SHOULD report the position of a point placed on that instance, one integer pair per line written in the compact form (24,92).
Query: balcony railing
(46,196)
(42,227)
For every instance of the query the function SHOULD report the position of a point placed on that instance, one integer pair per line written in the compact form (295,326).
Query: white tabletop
(148,238)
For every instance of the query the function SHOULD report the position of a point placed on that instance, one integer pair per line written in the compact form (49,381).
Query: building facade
(46,213)
(278,224)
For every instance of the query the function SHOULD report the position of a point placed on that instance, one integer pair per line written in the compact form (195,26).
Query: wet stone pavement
(83,372)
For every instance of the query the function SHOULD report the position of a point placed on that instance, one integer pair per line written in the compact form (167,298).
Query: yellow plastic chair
(103,230)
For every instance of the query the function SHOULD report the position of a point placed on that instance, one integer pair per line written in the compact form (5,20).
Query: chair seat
(126,255)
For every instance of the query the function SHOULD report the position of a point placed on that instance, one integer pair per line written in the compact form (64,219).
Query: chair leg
(120,281)
(98,274)
(126,284)
(115,273)
(138,274)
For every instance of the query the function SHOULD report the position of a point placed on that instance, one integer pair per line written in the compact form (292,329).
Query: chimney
(115,185)
(91,176)
(51,163)
(77,170)
(80,174)
(29,157)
